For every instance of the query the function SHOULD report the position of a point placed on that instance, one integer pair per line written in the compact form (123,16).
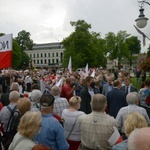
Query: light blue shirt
(120,146)
(110,87)
(91,92)
(52,134)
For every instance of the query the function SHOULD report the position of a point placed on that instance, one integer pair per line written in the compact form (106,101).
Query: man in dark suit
(86,93)
(127,88)
(116,99)
(97,87)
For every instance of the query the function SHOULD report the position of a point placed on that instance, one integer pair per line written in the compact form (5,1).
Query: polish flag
(6,51)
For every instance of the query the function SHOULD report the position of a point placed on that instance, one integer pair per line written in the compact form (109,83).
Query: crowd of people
(59,110)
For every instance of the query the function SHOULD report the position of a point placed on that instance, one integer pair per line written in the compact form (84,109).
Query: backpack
(12,126)
(147,93)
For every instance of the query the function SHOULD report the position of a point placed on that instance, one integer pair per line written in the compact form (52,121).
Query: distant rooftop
(54,45)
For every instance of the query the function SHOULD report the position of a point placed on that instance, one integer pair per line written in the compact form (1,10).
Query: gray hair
(14,96)
(98,102)
(36,95)
(14,86)
(55,91)
(132,97)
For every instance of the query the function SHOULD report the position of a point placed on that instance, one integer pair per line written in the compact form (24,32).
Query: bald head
(139,139)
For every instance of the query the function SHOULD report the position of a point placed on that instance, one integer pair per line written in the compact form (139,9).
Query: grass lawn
(133,81)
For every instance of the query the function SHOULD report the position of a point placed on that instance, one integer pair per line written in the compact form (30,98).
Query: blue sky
(49,20)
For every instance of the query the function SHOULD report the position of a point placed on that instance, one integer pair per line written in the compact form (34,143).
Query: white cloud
(49,20)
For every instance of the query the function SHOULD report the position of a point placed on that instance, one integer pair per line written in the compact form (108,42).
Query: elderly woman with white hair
(133,102)
(35,100)
(71,128)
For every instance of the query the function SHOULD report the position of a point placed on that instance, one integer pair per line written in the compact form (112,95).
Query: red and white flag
(6,51)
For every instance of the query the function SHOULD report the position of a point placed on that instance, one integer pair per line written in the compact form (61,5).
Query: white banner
(70,65)
(6,43)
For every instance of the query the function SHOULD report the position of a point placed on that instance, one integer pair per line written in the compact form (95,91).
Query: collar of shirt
(91,92)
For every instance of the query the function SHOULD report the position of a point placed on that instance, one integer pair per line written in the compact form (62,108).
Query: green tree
(25,61)
(83,46)
(134,47)
(24,40)
(16,59)
(116,46)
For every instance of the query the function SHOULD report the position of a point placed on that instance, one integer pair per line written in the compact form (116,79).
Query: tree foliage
(83,46)
(134,47)
(23,39)
(16,60)
(117,47)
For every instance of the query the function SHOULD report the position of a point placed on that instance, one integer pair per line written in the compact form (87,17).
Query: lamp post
(141,21)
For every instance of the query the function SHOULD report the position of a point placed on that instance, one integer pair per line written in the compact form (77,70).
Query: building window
(33,55)
(41,61)
(61,55)
(52,54)
(49,55)
(41,55)
(53,61)
(37,55)
(45,61)
(57,61)
(57,54)
(38,61)
(49,61)
(30,55)
(45,54)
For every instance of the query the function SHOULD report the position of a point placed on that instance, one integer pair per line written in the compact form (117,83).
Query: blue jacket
(52,134)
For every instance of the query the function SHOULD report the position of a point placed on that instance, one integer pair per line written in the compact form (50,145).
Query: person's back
(48,133)
(6,110)
(116,99)
(52,133)
(96,128)
(133,102)
(60,103)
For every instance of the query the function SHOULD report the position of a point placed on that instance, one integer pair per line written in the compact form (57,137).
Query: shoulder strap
(72,128)
(12,112)
(37,106)
(9,108)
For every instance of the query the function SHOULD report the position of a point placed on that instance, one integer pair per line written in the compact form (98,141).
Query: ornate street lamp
(141,21)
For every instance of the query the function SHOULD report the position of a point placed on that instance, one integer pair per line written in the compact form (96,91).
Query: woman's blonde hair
(74,100)
(23,105)
(30,123)
(134,120)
